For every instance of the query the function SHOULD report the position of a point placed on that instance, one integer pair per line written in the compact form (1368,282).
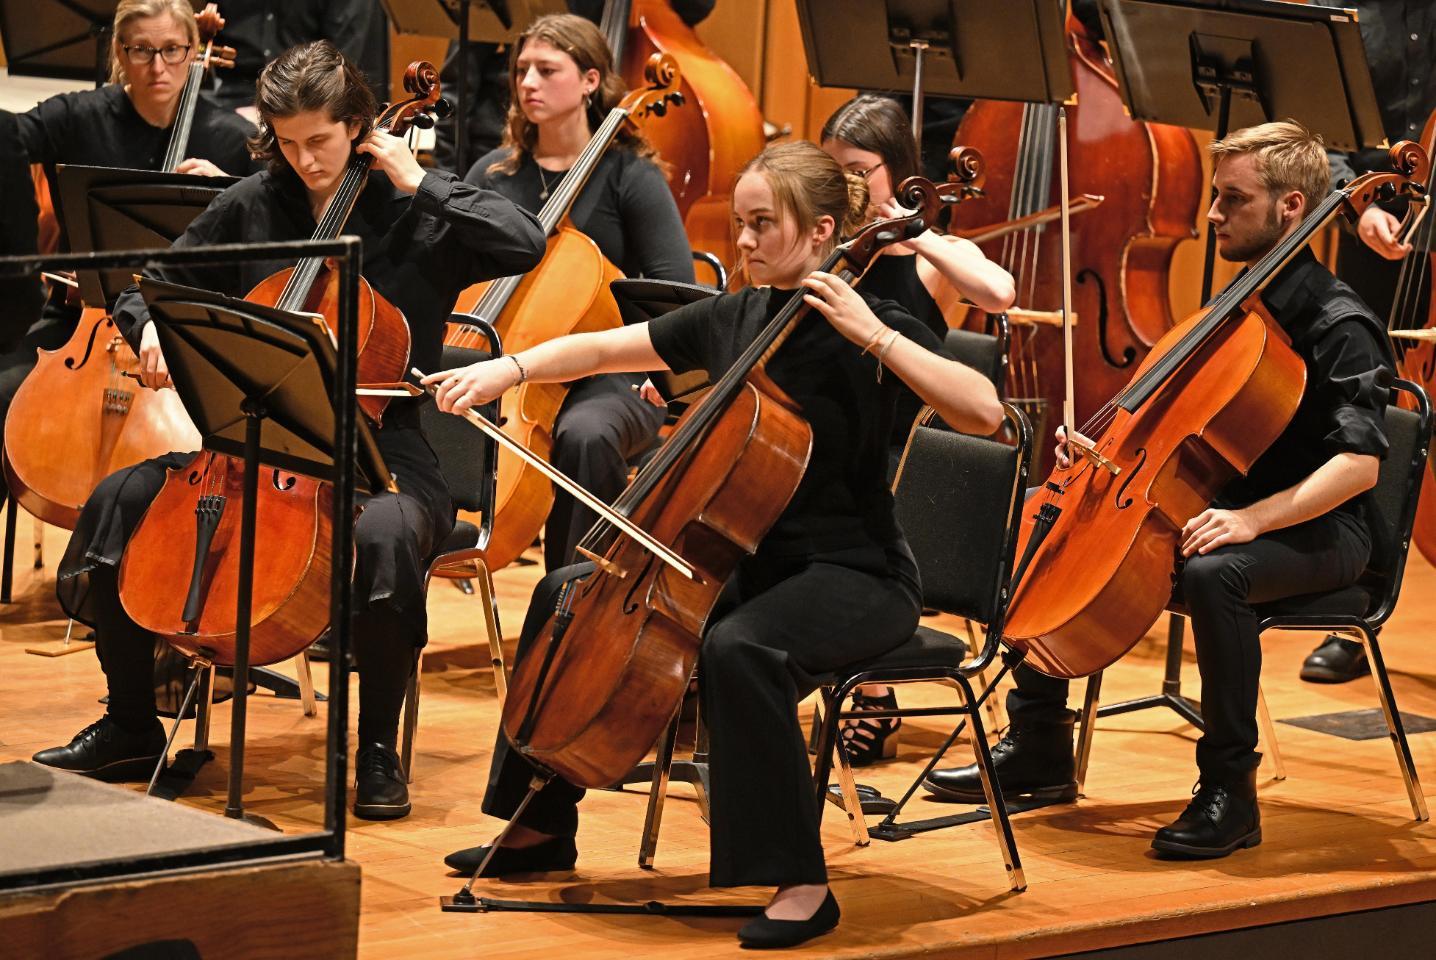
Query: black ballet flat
(765,933)
(560,853)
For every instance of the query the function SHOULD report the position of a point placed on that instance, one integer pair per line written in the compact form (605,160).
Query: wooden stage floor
(1338,831)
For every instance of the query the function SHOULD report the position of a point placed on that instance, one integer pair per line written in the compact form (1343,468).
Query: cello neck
(296,291)
(614,27)
(184,117)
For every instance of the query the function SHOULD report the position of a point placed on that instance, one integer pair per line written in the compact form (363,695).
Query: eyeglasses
(868,172)
(141,55)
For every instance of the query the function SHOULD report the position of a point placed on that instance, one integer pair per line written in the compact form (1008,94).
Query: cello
(566,293)
(607,671)
(1150,178)
(186,535)
(1210,397)
(1413,338)
(705,146)
(55,456)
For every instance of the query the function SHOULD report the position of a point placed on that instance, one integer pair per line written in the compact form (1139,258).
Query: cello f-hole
(1131,473)
(630,602)
(70,363)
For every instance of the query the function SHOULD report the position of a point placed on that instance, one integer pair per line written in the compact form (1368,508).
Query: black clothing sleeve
(21,295)
(681,337)
(45,128)
(1352,385)
(502,235)
(653,233)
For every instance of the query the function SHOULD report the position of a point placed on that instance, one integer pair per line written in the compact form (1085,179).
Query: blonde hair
(586,46)
(808,184)
(1288,156)
(129,10)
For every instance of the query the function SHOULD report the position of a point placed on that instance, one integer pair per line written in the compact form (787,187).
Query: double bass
(706,145)
(1150,178)
(1412,326)
(606,672)
(566,293)
(190,533)
(1211,396)
(55,454)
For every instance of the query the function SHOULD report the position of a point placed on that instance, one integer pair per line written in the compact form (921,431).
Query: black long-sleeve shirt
(1348,379)
(419,253)
(20,295)
(102,128)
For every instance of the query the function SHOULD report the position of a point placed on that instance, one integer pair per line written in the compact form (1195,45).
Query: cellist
(126,123)
(832,583)
(563,85)
(1295,524)
(425,236)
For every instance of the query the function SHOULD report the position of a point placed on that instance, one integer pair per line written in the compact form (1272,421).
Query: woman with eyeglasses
(127,122)
(929,276)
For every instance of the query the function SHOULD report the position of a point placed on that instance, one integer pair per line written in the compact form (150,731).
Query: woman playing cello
(426,236)
(127,123)
(833,581)
(563,85)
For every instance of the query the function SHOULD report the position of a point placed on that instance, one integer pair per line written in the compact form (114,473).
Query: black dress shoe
(765,933)
(1222,818)
(560,853)
(1034,759)
(106,751)
(380,792)
(1337,660)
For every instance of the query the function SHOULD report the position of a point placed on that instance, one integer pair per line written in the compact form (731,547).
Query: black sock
(384,648)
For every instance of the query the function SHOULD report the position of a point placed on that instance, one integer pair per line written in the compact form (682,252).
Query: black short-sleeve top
(1348,377)
(842,511)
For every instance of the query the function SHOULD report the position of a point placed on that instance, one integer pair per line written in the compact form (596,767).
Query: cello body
(77,418)
(1150,176)
(291,580)
(707,142)
(625,659)
(566,293)
(1102,577)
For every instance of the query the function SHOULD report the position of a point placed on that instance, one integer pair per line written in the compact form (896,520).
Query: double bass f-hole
(1129,353)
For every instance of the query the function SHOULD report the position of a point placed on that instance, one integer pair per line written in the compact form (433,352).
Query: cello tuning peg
(677,98)
(659,108)
(442,109)
(423,121)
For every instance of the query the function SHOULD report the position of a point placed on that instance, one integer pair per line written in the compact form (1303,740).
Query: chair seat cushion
(464,536)
(925,648)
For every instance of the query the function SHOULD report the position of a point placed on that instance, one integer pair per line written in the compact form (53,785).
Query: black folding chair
(984,352)
(1359,610)
(959,500)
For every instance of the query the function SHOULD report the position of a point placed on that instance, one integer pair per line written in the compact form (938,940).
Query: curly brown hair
(311,76)
(587,47)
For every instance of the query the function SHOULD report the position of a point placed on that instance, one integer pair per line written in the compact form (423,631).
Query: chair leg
(1089,722)
(993,704)
(827,735)
(305,677)
(658,790)
(204,710)
(200,670)
(1002,825)
(852,803)
(491,626)
(38,530)
(1268,734)
(7,572)
(1395,725)
(411,718)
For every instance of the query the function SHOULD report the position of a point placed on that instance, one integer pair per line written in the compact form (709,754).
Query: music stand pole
(244,594)
(461,101)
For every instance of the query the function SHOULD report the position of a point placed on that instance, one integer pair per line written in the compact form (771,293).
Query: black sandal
(868,741)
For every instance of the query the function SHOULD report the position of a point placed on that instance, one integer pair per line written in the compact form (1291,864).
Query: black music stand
(480,21)
(257,382)
(642,300)
(1234,63)
(953,48)
(107,208)
(64,39)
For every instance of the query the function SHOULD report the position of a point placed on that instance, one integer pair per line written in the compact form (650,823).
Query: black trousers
(394,536)
(1220,591)
(778,630)
(602,425)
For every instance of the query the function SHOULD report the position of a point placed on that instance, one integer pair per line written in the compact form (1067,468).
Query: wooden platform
(1338,833)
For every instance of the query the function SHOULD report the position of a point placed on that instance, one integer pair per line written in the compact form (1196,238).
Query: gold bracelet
(884,352)
(872,341)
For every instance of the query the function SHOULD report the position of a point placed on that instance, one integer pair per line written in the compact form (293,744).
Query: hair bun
(858,197)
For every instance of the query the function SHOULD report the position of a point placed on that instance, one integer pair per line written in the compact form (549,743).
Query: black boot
(106,751)
(380,790)
(1222,817)
(1034,760)
(1337,660)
